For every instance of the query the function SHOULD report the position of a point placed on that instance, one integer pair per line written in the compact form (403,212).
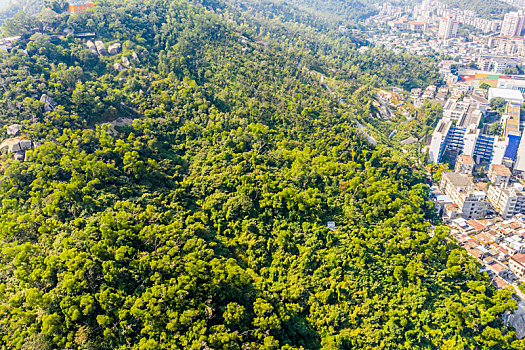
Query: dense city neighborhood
(476,147)
(482,197)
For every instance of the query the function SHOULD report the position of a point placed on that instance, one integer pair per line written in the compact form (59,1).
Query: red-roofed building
(417,26)
(484,239)
(501,250)
(476,253)
(472,242)
(478,226)
(499,282)
(77,6)
(493,233)
(517,265)
(498,268)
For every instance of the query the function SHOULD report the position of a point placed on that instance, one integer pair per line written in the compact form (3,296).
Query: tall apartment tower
(513,24)
(423,13)
(448,28)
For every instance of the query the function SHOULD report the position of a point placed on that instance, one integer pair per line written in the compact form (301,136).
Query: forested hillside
(200,220)
(484,8)
(9,8)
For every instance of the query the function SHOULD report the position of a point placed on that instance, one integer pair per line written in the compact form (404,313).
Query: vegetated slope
(337,10)
(10,8)
(485,8)
(204,223)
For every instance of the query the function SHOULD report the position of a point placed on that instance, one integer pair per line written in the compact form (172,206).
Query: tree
(495,129)
(58,6)
(484,86)
(437,170)
(517,70)
(498,104)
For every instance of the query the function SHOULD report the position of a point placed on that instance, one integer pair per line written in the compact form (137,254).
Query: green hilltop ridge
(181,179)
(484,8)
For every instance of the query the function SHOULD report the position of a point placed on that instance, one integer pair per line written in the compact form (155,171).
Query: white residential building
(484,149)
(496,64)
(519,165)
(513,24)
(499,66)
(514,96)
(499,175)
(471,202)
(512,84)
(507,202)
(455,109)
(448,28)
(439,140)
(517,265)
(465,164)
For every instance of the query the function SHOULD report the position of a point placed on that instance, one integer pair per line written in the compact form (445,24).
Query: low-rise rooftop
(501,170)
(519,257)
(498,267)
(499,282)
(465,159)
(458,180)
(478,226)
(506,94)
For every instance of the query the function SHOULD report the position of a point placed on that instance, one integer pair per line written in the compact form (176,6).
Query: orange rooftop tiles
(519,258)
(501,170)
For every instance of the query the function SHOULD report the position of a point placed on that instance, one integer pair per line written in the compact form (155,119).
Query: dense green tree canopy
(485,8)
